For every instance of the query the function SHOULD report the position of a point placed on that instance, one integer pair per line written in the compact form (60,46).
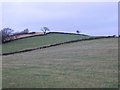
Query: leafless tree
(45,29)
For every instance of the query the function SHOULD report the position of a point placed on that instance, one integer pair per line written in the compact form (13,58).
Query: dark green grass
(86,64)
(38,41)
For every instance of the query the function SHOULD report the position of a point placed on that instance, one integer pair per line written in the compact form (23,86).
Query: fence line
(47,46)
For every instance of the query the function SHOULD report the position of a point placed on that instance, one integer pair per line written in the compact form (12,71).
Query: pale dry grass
(27,35)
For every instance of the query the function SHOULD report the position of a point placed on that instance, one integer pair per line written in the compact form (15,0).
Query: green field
(85,64)
(38,41)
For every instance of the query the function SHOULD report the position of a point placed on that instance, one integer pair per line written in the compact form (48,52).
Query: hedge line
(66,33)
(47,46)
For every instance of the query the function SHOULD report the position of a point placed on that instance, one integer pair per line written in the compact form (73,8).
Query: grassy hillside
(88,64)
(33,42)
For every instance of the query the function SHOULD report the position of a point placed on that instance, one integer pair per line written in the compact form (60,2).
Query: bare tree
(45,29)
(26,31)
(5,34)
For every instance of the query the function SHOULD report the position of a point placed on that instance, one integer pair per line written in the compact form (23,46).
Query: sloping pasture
(84,64)
(38,41)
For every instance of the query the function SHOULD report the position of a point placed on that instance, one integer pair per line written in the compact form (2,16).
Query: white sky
(91,18)
(59,0)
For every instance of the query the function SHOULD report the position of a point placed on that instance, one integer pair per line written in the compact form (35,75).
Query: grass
(38,41)
(86,64)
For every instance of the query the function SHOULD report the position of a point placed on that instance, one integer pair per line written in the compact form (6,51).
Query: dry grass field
(85,64)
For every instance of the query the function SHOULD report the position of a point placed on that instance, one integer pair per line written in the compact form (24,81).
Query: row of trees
(7,34)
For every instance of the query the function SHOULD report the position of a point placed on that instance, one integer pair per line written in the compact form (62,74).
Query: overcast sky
(92,18)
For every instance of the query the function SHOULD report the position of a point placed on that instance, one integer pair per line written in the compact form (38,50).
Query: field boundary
(47,46)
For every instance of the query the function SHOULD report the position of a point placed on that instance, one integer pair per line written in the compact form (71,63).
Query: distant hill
(40,40)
